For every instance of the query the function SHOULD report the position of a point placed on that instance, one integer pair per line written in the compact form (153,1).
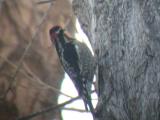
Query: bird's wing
(86,63)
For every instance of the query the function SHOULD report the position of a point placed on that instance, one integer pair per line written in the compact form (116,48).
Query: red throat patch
(53,37)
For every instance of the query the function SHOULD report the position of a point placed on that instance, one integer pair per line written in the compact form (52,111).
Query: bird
(78,62)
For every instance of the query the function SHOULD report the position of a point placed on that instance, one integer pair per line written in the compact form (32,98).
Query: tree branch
(35,78)
(75,109)
(45,1)
(47,110)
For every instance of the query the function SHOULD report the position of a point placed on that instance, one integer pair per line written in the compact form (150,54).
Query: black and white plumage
(77,61)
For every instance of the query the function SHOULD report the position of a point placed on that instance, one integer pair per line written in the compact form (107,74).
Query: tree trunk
(125,35)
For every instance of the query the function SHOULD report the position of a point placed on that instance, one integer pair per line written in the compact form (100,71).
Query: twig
(37,79)
(45,1)
(34,78)
(75,109)
(47,109)
(29,45)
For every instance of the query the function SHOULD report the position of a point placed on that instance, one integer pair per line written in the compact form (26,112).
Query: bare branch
(47,109)
(37,79)
(75,109)
(34,78)
(45,1)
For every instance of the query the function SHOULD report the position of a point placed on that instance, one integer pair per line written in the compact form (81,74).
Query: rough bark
(125,35)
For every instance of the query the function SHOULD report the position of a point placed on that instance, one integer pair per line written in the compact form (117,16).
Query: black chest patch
(70,56)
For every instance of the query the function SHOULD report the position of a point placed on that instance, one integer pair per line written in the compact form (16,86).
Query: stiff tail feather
(88,103)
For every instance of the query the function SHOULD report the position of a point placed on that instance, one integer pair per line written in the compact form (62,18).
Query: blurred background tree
(30,72)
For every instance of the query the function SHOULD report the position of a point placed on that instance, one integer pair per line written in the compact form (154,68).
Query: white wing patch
(77,48)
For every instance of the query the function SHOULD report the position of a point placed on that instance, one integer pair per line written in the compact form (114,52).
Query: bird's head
(57,37)
(55,32)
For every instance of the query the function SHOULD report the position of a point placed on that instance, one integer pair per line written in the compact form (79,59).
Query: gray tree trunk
(125,35)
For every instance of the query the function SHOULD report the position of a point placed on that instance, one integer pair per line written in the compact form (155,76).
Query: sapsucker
(77,61)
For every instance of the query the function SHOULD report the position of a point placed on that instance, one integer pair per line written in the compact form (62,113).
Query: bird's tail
(85,103)
(88,103)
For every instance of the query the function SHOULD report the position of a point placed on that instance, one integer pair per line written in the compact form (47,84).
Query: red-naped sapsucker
(77,61)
